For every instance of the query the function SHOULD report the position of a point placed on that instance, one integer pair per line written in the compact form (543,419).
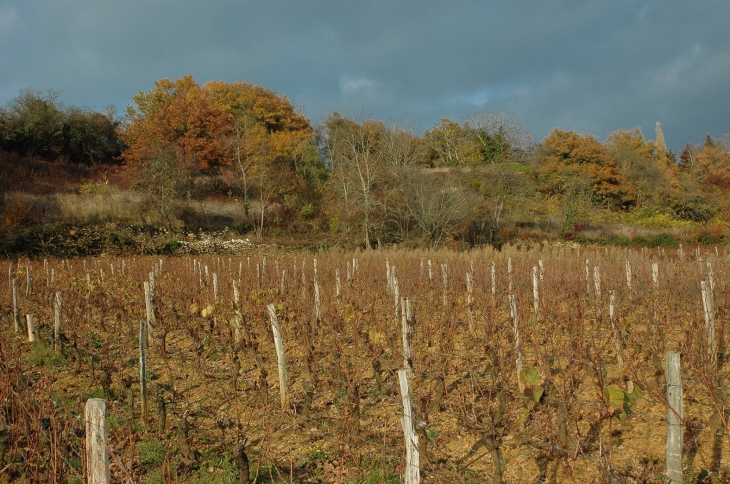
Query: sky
(591,66)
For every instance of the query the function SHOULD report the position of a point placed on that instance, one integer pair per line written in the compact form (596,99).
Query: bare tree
(500,136)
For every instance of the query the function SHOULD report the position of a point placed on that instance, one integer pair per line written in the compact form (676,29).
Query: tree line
(370,181)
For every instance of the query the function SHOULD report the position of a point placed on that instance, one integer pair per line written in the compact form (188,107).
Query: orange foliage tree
(567,158)
(241,131)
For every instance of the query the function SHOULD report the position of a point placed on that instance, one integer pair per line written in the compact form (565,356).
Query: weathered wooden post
(430,270)
(509,275)
(535,291)
(396,297)
(28,287)
(143,370)
(597,283)
(616,338)
(494,281)
(57,323)
(518,348)
(412,470)
(32,332)
(281,358)
(445,277)
(16,322)
(216,294)
(709,308)
(97,454)
(317,302)
(239,316)
(405,329)
(149,331)
(675,415)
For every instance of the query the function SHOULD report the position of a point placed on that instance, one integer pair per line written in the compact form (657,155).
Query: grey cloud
(590,66)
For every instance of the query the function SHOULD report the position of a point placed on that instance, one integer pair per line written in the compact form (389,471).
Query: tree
(436,205)
(162,178)
(368,162)
(499,137)
(449,144)
(177,115)
(261,128)
(38,125)
(566,157)
(645,165)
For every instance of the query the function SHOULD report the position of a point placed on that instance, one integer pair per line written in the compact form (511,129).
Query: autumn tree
(262,131)
(566,158)
(644,163)
(236,130)
(450,144)
(178,115)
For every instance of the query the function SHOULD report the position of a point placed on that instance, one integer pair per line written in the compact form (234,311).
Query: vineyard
(530,364)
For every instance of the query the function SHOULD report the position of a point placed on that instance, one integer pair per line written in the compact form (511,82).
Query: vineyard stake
(15,306)
(32,333)
(709,309)
(518,349)
(148,300)
(675,415)
(535,291)
(57,323)
(405,329)
(412,471)
(281,358)
(616,338)
(97,455)
(143,369)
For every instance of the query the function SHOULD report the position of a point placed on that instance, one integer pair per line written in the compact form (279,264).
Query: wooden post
(143,370)
(711,276)
(535,291)
(28,287)
(281,358)
(597,283)
(675,415)
(16,322)
(628,274)
(509,274)
(338,285)
(616,338)
(412,471)
(32,333)
(239,316)
(709,308)
(57,323)
(396,297)
(445,277)
(216,294)
(406,345)
(430,270)
(148,301)
(494,280)
(97,454)
(518,349)
(317,302)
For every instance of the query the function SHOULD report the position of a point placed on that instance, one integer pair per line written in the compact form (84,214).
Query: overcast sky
(588,66)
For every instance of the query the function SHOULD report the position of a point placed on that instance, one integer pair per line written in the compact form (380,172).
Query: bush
(663,240)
